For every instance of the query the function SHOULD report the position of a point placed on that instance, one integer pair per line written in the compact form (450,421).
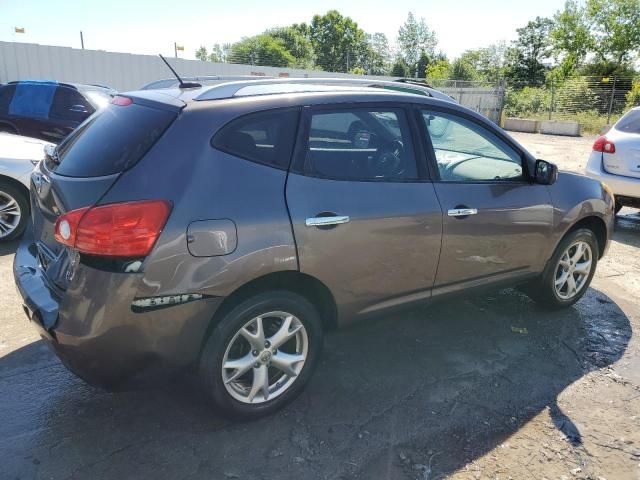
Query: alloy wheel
(10,214)
(573,269)
(264,358)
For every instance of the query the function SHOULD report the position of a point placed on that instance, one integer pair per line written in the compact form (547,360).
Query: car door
(496,221)
(365,216)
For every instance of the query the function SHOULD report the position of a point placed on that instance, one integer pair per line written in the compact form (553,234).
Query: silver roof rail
(277,85)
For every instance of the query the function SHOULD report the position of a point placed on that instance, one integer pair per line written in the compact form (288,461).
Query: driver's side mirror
(546,172)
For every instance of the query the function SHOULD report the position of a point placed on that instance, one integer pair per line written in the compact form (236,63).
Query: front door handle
(462,212)
(326,221)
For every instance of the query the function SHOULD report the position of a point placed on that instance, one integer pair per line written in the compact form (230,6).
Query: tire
(13,201)
(226,343)
(8,129)
(544,291)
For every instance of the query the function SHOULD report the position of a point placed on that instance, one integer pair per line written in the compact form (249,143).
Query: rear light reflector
(603,145)
(128,229)
(121,101)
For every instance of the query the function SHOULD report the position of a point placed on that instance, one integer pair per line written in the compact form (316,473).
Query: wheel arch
(305,285)
(597,226)
(10,125)
(16,183)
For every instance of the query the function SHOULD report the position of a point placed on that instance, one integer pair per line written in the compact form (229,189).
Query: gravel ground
(485,387)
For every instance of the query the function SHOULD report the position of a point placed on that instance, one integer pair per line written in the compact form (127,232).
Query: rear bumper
(93,330)
(621,185)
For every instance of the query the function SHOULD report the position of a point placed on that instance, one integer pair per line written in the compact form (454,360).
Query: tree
(462,69)
(414,39)
(261,50)
(439,70)
(571,38)
(297,43)
(202,54)
(400,68)
(481,64)
(220,53)
(526,55)
(339,44)
(615,27)
(377,61)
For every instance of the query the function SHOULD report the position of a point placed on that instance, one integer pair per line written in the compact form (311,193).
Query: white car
(615,160)
(18,155)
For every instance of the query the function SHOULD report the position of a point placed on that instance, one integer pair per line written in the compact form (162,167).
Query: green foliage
(415,38)
(615,28)
(202,54)
(438,70)
(378,56)
(297,43)
(262,50)
(357,71)
(525,56)
(400,68)
(526,102)
(633,95)
(463,69)
(339,43)
(571,37)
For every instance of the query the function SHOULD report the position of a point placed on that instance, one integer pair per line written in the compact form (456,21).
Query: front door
(366,219)
(496,222)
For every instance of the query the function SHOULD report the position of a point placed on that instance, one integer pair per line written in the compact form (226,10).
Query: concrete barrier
(556,127)
(521,125)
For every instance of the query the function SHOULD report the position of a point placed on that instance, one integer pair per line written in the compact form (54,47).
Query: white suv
(18,155)
(615,160)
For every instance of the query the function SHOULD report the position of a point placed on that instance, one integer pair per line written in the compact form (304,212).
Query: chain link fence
(593,102)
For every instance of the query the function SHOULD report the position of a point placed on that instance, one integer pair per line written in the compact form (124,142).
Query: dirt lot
(487,387)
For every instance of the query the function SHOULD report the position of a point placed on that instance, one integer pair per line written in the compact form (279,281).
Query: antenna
(182,84)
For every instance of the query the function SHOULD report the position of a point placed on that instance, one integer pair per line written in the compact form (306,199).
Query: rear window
(630,123)
(263,137)
(110,141)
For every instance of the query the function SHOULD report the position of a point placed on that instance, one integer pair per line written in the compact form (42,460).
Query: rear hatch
(86,164)
(625,135)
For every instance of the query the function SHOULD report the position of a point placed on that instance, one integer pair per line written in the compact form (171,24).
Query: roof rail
(234,89)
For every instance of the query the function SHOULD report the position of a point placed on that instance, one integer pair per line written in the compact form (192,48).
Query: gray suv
(227,228)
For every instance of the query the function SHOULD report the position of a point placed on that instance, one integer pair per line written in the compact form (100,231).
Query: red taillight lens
(121,101)
(127,229)
(604,145)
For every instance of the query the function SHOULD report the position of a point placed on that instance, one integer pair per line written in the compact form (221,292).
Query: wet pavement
(485,387)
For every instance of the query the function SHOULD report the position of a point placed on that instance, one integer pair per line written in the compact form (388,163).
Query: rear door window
(630,123)
(69,105)
(32,99)
(262,137)
(111,141)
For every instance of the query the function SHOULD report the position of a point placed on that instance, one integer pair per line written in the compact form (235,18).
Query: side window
(466,152)
(6,95)
(69,104)
(360,144)
(263,137)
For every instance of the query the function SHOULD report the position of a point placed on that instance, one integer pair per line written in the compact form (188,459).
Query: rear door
(496,222)
(366,219)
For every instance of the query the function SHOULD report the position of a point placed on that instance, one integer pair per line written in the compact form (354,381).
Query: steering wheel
(387,162)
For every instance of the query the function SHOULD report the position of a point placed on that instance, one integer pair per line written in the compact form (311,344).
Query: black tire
(21,196)
(8,129)
(225,331)
(543,290)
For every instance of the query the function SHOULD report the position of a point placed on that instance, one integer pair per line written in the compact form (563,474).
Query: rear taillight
(121,101)
(127,229)
(603,145)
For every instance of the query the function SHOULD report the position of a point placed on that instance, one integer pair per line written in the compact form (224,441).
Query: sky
(152,27)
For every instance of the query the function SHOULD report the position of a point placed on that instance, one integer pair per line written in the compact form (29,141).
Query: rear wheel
(14,211)
(262,354)
(569,272)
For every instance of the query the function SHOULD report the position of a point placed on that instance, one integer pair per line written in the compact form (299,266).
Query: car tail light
(121,101)
(604,145)
(128,229)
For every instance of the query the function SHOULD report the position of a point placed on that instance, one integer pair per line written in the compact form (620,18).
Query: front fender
(575,198)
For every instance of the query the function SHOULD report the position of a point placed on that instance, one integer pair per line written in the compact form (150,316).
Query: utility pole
(175,49)
(613,94)
(81,40)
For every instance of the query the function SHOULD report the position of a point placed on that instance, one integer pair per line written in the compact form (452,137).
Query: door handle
(462,212)
(326,221)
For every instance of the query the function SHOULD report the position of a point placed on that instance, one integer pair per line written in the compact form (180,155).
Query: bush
(633,95)
(529,101)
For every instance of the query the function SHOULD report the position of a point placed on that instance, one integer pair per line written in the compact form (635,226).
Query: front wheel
(14,211)
(262,354)
(569,272)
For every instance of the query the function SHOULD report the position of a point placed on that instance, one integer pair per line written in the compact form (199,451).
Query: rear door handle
(326,221)
(462,212)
